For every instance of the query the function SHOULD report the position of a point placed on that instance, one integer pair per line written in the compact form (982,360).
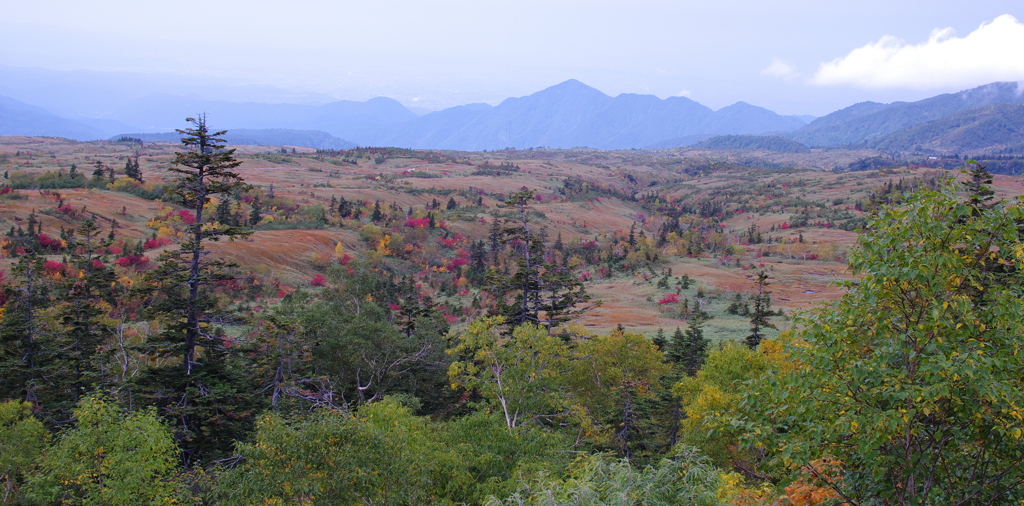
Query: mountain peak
(572,85)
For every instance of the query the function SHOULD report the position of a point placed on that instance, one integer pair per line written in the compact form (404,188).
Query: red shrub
(50,243)
(671,298)
(132,261)
(318,280)
(156,243)
(454,241)
(53,267)
(417,223)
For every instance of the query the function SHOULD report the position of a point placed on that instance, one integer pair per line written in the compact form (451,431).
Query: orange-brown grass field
(809,212)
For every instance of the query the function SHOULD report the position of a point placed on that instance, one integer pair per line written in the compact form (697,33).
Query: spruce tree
(695,346)
(762,310)
(75,350)
(132,169)
(377,215)
(659,339)
(344,208)
(196,389)
(537,292)
(978,186)
(224,216)
(255,212)
(477,269)
(21,331)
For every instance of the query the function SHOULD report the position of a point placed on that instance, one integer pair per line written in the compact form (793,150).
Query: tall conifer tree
(196,389)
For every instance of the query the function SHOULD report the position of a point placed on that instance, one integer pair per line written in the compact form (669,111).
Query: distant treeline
(758,142)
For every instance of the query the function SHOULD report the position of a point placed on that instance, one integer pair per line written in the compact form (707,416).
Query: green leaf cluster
(912,381)
(109,458)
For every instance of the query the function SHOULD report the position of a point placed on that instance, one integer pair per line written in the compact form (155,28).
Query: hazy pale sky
(794,57)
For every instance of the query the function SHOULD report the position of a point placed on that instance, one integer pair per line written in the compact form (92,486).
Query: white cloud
(683,93)
(779,69)
(990,53)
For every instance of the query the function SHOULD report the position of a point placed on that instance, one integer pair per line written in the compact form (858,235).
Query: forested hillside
(991,129)
(867,121)
(215,324)
(754,142)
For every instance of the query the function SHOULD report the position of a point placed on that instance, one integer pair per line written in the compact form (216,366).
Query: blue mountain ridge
(566,115)
(572,114)
(569,114)
(869,120)
(19,118)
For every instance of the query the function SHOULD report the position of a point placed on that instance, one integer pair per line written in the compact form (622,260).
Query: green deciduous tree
(597,480)
(520,374)
(22,439)
(611,377)
(366,357)
(715,391)
(912,381)
(110,457)
(381,454)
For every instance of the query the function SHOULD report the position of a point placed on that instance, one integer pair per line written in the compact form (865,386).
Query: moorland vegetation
(454,351)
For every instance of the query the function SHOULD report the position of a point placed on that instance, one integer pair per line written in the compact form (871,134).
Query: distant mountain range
(567,115)
(870,120)
(18,118)
(570,114)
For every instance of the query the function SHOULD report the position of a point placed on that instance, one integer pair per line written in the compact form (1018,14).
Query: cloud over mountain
(990,53)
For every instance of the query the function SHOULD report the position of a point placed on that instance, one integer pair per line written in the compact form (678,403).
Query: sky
(793,57)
